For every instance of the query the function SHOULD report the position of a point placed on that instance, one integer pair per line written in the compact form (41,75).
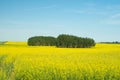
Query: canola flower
(21,62)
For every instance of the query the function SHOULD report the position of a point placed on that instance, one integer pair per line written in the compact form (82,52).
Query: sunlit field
(21,62)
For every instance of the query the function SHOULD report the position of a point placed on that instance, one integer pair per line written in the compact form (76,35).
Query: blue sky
(21,19)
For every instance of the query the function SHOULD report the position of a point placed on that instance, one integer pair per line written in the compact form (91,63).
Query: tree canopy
(70,41)
(63,40)
(42,41)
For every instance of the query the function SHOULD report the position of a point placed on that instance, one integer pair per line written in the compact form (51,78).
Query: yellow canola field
(21,62)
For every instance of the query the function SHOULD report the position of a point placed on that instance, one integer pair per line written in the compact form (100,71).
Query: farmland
(21,62)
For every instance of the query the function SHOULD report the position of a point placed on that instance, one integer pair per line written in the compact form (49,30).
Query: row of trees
(71,41)
(114,42)
(42,41)
(2,42)
(63,40)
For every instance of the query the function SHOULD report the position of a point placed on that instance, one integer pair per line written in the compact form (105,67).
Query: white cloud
(115,22)
(89,11)
(41,7)
(116,15)
(51,6)
(112,19)
(96,9)
(90,8)
(19,22)
(111,22)
(113,7)
(90,4)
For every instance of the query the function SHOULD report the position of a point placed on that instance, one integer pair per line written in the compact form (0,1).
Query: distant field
(21,62)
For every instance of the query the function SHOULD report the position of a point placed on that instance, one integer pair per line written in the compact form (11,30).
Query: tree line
(63,41)
(114,42)
(2,42)
(42,41)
